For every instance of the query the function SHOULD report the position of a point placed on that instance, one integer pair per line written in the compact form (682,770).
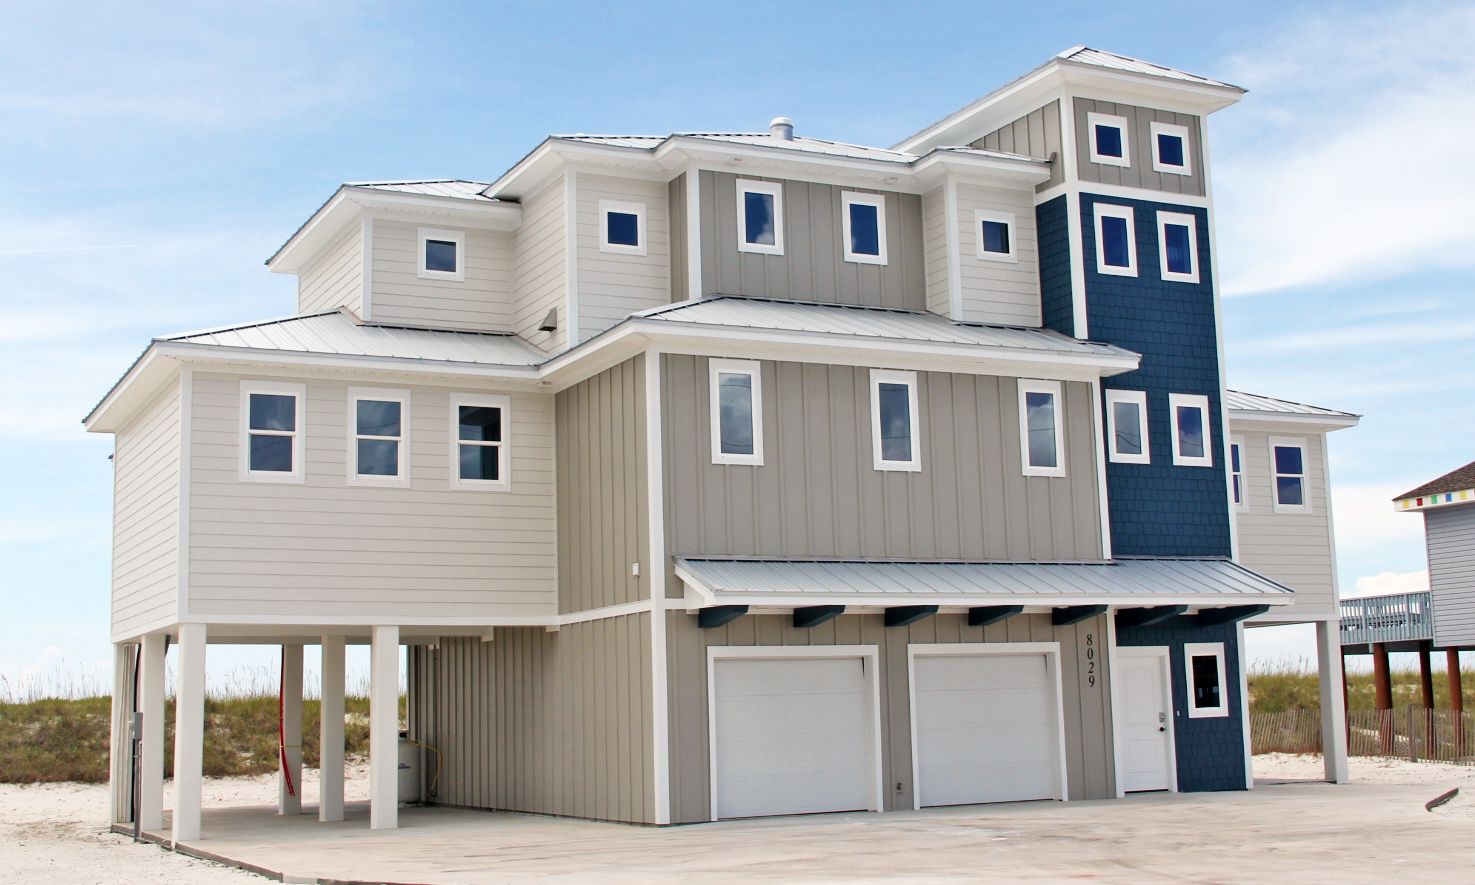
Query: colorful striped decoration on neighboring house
(1439,500)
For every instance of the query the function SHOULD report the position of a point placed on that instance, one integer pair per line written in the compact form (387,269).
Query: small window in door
(1208,692)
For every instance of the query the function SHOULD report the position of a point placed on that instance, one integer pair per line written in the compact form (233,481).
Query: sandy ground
(1370,770)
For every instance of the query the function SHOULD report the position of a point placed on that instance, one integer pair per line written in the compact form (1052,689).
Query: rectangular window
(442,254)
(1237,489)
(1177,246)
(1041,432)
(1170,149)
(1108,134)
(1208,687)
(863,223)
(273,424)
(995,232)
(378,436)
(1190,423)
(737,412)
(896,442)
(479,442)
(622,227)
(1126,426)
(760,211)
(1288,462)
(1116,240)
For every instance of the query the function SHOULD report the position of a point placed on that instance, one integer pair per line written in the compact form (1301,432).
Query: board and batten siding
(1293,548)
(1086,708)
(819,494)
(336,277)
(602,490)
(542,722)
(146,473)
(1139,149)
(1450,535)
(481,302)
(613,285)
(1004,293)
(327,549)
(813,266)
(540,271)
(1036,134)
(935,256)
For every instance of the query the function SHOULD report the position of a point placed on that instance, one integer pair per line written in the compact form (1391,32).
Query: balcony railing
(1397,617)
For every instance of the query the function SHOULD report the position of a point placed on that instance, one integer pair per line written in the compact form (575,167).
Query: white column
(330,781)
(289,761)
(384,729)
(1333,710)
(120,759)
(151,703)
(189,732)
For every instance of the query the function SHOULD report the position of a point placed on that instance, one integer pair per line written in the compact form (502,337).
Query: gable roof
(458,188)
(1268,406)
(1100,58)
(1461,479)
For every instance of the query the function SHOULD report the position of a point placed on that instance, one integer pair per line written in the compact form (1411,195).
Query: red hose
(282,726)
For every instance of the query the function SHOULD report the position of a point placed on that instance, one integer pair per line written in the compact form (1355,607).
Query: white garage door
(986,728)
(792,736)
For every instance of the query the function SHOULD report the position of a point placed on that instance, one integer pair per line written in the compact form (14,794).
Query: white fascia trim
(1120,192)
(773,189)
(456,237)
(1192,650)
(401,478)
(958,601)
(503,482)
(1139,399)
(909,380)
(1005,218)
(299,434)
(624,208)
(1191,401)
(1289,442)
(1185,220)
(1054,391)
(716,368)
(1112,121)
(1170,129)
(1324,422)
(1126,213)
(218,354)
(875,201)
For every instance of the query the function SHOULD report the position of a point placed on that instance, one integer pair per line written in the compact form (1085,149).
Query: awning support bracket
(720,615)
(1147,616)
(1074,614)
(814,615)
(983,615)
(1215,616)
(902,615)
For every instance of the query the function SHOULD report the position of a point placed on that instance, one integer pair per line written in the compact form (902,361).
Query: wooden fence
(1412,733)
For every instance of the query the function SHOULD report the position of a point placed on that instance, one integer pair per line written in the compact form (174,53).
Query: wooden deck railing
(1397,617)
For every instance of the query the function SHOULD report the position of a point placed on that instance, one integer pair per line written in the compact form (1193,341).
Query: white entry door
(1147,714)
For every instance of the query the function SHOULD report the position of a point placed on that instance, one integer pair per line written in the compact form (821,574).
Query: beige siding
(676,200)
(336,277)
(818,493)
(1087,708)
(146,470)
(999,292)
(602,490)
(540,273)
(1139,150)
(1037,135)
(934,234)
(611,285)
(481,302)
(1292,548)
(550,723)
(328,549)
(1450,532)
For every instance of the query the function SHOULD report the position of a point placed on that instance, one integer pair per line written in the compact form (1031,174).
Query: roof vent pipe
(782,127)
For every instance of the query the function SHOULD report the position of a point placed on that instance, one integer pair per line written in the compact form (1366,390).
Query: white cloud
(1385,583)
(1366,521)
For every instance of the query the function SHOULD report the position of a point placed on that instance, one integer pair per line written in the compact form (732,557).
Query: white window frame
(624,208)
(1197,401)
(1290,442)
(1094,119)
(1006,218)
(381,394)
(1156,129)
(895,376)
(1139,399)
(1191,222)
(299,436)
(504,465)
(854,198)
(1027,386)
(1205,649)
(773,189)
(451,236)
(751,368)
(1110,210)
(1243,504)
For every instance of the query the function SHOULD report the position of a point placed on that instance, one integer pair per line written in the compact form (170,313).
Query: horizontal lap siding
(612,286)
(540,273)
(146,465)
(999,292)
(336,278)
(1037,134)
(481,302)
(328,549)
(1450,533)
(1139,149)
(1292,548)
(934,231)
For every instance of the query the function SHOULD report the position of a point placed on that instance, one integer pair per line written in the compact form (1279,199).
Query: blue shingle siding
(1159,509)
(1052,229)
(1210,751)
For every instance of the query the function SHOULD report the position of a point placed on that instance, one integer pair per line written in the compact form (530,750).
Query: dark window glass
(996,237)
(378,457)
(1108,140)
(1239,495)
(896,422)
(1290,491)
(865,229)
(1041,416)
(623,228)
(1288,459)
(480,462)
(1169,149)
(1114,241)
(378,417)
(1180,258)
(273,411)
(271,453)
(758,212)
(480,423)
(1127,418)
(1191,431)
(1234,458)
(1206,682)
(1237,473)
(735,424)
(440,255)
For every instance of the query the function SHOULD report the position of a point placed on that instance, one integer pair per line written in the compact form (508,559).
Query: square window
(442,254)
(1170,149)
(1116,241)
(1288,461)
(737,411)
(479,442)
(895,439)
(378,457)
(378,439)
(1126,426)
(863,222)
(995,235)
(622,227)
(1041,434)
(1190,425)
(271,453)
(272,430)
(760,217)
(1108,139)
(1177,246)
(1208,689)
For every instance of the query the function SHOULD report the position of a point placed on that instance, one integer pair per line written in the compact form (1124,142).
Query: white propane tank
(409,771)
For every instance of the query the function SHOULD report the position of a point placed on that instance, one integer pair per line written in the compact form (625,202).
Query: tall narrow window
(272,417)
(622,227)
(737,412)
(479,442)
(442,254)
(1237,475)
(1126,426)
(1041,432)
(1288,459)
(1116,240)
(1108,135)
(760,211)
(378,436)
(1177,247)
(863,223)
(895,439)
(1208,690)
(995,232)
(1190,424)
(1170,149)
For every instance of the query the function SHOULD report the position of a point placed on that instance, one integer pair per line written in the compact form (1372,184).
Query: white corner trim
(571,258)
(1137,398)
(1289,442)
(1113,699)
(1079,321)
(693,233)
(1244,704)
(716,368)
(1179,219)
(503,482)
(298,434)
(849,199)
(622,207)
(775,190)
(444,235)
(1054,391)
(1103,495)
(1004,218)
(401,478)
(1155,129)
(186,506)
(1094,119)
(1191,401)
(1205,649)
(909,379)
(656,570)
(1101,211)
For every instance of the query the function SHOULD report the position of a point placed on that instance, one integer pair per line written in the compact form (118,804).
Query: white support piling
(151,750)
(1333,708)
(120,758)
(189,732)
(384,729)
(289,759)
(330,784)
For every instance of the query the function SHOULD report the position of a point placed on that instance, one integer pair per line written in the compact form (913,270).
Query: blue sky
(155,156)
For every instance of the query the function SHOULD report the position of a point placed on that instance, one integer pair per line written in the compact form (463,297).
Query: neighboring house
(718,475)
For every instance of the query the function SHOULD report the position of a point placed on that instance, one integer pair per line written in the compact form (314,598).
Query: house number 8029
(1091,660)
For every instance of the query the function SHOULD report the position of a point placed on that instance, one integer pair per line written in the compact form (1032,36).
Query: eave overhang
(1291,421)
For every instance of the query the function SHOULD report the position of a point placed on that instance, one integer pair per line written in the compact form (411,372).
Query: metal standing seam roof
(1103,59)
(1217,579)
(1239,401)
(431,187)
(799,143)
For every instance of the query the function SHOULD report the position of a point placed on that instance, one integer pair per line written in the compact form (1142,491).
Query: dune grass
(1293,685)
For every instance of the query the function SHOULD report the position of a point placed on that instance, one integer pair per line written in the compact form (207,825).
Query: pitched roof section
(430,187)
(1461,479)
(799,143)
(1102,59)
(1239,401)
